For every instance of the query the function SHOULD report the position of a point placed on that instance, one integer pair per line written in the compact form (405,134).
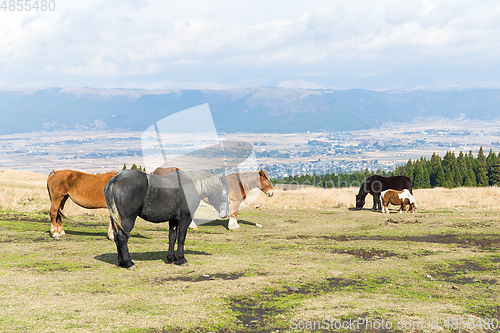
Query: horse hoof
(233,228)
(258,225)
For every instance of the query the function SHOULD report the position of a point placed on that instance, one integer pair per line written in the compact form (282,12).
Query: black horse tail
(116,218)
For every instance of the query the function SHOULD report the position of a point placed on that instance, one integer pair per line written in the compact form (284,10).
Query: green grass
(344,264)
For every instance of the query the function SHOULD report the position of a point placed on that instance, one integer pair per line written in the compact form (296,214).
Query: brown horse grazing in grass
(242,183)
(164,171)
(399,198)
(84,189)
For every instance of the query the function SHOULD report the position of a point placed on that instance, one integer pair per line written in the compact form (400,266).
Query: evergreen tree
(124,166)
(480,156)
(494,174)
(436,170)
(449,166)
(421,176)
(440,179)
(134,167)
(482,176)
(491,160)
(472,177)
(409,172)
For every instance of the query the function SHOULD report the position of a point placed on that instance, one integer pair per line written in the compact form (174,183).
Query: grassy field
(314,260)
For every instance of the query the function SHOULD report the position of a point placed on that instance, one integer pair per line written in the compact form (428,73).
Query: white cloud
(157,41)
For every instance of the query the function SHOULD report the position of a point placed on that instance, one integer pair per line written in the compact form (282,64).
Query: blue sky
(224,44)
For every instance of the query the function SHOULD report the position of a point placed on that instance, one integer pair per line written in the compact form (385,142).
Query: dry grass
(27,192)
(483,197)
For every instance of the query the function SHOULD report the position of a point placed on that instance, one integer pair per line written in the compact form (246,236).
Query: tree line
(449,171)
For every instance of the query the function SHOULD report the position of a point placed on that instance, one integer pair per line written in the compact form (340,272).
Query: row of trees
(134,167)
(449,171)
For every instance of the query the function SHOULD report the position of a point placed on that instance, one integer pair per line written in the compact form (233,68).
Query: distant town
(280,155)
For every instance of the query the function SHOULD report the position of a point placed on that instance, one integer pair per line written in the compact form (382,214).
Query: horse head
(219,199)
(265,184)
(360,201)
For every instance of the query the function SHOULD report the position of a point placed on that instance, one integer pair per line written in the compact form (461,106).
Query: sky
(221,44)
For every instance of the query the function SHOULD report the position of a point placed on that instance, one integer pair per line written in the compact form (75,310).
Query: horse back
(85,189)
(164,171)
(376,184)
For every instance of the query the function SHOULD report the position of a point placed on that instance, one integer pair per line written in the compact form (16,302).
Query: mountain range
(259,109)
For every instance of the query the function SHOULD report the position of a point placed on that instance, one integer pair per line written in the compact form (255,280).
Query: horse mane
(247,178)
(205,183)
(407,195)
(51,173)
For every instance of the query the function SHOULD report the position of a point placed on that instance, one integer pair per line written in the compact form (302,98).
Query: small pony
(402,198)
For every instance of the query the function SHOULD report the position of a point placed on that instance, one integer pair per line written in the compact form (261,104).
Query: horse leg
(181,235)
(121,241)
(374,207)
(55,217)
(60,228)
(233,222)
(172,237)
(111,231)
(379,205)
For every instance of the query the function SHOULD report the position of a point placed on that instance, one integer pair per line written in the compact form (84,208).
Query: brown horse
(399,198)
(242,183)
(84,189)
(164,171)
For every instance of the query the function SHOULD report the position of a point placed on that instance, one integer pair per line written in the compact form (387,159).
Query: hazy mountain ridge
(264,109)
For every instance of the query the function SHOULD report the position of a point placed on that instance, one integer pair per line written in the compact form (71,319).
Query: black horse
(376,184)
(173,197)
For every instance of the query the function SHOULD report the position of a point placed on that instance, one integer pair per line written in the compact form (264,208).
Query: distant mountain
(266,109)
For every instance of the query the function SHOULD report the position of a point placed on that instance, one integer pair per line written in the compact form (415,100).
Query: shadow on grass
(98,234)
(224,223)
(353,209)
(112,258)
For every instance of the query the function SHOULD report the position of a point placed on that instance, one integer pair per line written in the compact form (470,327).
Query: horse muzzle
(224,210)
(270,194)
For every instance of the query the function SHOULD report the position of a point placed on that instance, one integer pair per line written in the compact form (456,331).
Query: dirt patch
(488,312)
(402,221)
(16,239)
(198,278)
(483,240)
(366,254)
(20,217)
(259,310)
(461,272)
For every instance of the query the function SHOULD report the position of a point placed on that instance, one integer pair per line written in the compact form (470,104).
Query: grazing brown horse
(84,189)
(164,171)
(242,183)
(398,198)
